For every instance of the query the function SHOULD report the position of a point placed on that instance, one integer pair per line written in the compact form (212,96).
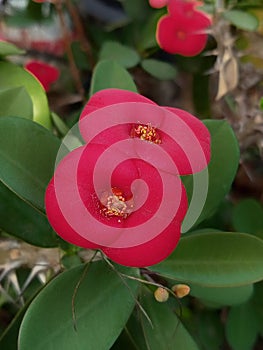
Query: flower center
(146,133)
(181,35)
(114,204)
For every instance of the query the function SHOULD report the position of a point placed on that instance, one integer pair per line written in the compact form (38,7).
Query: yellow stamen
(114,204)
(146,133)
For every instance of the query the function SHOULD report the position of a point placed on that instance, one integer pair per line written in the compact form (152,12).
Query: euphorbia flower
(158,3)
(45,73)
(183,30)
(121,192)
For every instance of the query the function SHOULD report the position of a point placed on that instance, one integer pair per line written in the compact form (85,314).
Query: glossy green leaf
(241,327)
(147,34)
(209,330)
(124,342)
(27,158)
(257,302)
(8,339)
(80,56)
(62,128)
(159,69)
(222,259)
(102,306)
(132,336)
(126,56)
(221,169)
(109,74)
(166,332)
(241,19)
(15,102)
(136,9)
(21,220)
(15,76)
(248,217)
(8,49)
(222,296)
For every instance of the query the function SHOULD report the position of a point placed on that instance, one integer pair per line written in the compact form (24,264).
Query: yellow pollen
(146,133)
(114,205)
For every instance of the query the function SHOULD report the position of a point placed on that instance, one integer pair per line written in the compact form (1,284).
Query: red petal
(158,3)
(174,35)
(185,7)
(45,73)
(59,223)
(182,31)
(154,251)
(202,135)
(108,97)
(122,178)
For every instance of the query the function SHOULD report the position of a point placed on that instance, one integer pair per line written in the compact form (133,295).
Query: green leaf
(248,217)
(167,331)
(147,34)
(80,56)
(132,336)
(62,128)
(210,330)
(15,102)
(241,327)
(222,259)
(102,305)
(126,56)
(8,49)
(222,296)
(27,158)
(241,19)
(14,76)
(221,170)
(109,74)
(257,302)
(8,339)
(136,9)
(21,220)
(29,15)
(159,69)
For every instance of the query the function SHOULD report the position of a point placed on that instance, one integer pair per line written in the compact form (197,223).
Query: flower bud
(161,294)
(181,290)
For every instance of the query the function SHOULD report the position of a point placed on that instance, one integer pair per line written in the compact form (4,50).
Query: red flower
(120,192)
(158,3)
(45,73)
(182,30)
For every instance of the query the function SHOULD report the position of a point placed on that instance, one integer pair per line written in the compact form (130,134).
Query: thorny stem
(67,40)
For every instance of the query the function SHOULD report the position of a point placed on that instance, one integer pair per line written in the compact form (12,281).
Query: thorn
(36,270)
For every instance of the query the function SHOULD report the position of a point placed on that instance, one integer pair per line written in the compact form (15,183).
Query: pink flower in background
(183,30)
(121,192)
(45,73)
(158,3)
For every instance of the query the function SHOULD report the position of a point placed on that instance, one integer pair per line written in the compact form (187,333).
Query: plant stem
(67,41)
(85,45)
